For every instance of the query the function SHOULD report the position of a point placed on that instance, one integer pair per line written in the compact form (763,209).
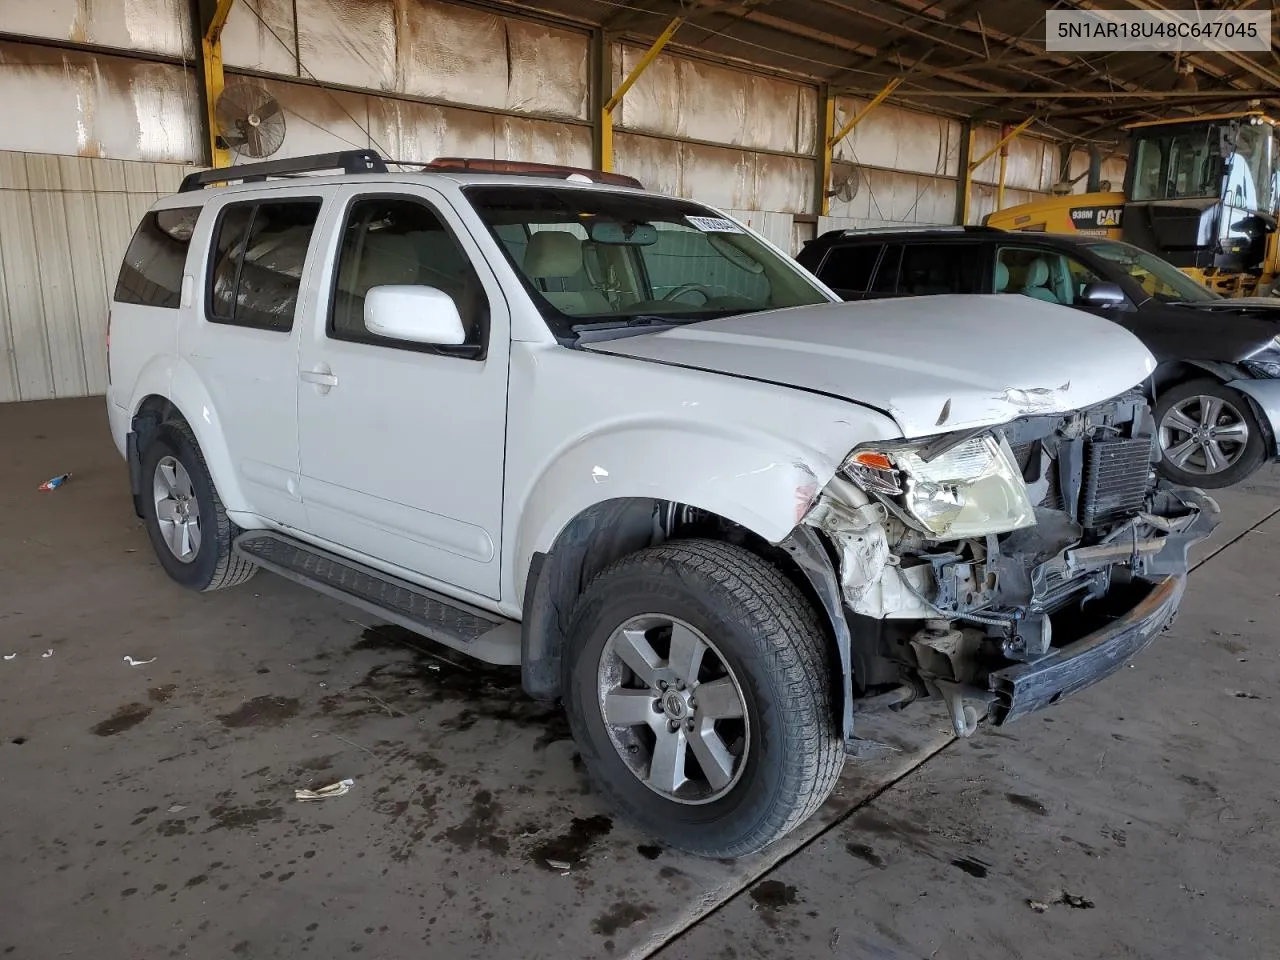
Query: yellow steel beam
(967,175)
(831,138)
(828,132)
(861,115)
(975,164)
(211,57)
(606,112)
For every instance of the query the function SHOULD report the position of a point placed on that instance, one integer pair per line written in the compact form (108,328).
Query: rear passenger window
(151,275)
(931,268)
(848,270)
(259,251)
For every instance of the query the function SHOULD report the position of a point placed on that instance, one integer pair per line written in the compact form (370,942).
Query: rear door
(243,338)
(403,444)
(930,268)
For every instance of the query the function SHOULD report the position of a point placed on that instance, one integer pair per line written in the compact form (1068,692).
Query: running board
(475,632)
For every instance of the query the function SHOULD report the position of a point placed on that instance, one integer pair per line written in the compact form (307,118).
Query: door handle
(321,376)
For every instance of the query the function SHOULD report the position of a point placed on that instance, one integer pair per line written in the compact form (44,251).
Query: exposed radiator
(1116,477)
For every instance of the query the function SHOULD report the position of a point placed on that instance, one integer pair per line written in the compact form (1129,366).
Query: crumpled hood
(934,364)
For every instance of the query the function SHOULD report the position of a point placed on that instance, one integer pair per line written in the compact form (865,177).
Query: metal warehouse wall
(414,79)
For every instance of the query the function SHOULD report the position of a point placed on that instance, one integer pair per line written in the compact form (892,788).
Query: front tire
(700,693)
(185,519)
(1209,435)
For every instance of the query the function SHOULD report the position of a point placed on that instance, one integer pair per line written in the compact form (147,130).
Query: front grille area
(1116,475)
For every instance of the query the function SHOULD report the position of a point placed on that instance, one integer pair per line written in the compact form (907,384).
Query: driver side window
(1042,275)
(391,240)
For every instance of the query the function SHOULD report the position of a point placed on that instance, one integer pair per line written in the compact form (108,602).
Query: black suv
(1216,390)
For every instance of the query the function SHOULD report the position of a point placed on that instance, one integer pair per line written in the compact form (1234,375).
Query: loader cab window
(1178,165)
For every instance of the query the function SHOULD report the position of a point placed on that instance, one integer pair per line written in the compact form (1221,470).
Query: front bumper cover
(1266,394)
(1028,687)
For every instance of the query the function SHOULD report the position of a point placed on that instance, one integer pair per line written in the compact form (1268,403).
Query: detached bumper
(1266,394)
(1028,687)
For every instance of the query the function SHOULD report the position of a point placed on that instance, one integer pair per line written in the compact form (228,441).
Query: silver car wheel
(674,709)
(1203,435)
(177,509)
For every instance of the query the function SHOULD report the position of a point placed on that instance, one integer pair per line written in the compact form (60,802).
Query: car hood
(934,364)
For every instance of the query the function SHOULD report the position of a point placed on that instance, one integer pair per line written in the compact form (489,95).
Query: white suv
(622,441)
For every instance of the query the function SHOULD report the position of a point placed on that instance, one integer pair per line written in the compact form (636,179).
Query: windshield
(1159,278)
(1188,163)
(591,257)
(1177,166)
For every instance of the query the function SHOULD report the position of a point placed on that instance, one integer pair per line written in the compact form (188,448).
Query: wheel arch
(608,530)
(169,388)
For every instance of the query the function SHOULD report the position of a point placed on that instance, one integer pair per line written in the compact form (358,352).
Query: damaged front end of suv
(1005,568)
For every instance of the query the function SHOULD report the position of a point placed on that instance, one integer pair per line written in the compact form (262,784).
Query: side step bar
(477,633)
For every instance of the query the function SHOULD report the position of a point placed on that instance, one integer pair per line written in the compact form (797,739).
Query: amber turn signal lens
(872,460)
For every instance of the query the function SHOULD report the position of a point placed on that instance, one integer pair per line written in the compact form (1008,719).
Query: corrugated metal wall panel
(23,303)
(106,106)
(1030,165)
(677,97)
(885,197)
(898,139)
(1113,169)
(66,223)
(720,176)
(778,228)
(151,26)
(259,36)
(57,294)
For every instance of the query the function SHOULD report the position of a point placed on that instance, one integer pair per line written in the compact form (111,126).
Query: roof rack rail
(916,228)
(524,168)
(348,161)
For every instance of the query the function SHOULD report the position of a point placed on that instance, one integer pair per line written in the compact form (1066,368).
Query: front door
(402,444)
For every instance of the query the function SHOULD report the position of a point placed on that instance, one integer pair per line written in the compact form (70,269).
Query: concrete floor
(148,811)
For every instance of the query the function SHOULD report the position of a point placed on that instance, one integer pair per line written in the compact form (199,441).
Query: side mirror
(1102,295)
(413,313)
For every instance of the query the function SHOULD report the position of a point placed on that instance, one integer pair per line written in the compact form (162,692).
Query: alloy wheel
(1203,435)
(177,509)
(674,709)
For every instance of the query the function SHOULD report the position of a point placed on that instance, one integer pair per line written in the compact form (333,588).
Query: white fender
(177,381)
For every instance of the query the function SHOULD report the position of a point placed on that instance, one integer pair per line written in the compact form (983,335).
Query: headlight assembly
(971,490)
(1265,364)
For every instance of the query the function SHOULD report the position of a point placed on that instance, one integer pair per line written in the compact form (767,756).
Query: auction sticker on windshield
(714,225)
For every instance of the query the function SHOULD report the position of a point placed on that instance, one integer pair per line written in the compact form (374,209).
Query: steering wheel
(684,288)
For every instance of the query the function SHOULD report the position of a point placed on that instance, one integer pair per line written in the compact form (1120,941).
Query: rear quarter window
(151,274)
(848,269)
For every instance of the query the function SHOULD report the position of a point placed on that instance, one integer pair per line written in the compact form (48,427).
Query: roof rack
(522,168)
(348,161)
(916,228)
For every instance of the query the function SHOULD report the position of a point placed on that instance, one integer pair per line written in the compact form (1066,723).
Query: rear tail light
(108,347)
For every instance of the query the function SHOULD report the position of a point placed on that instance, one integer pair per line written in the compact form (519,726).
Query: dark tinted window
(848,269)
(929,268)
(397,241)
(151,274)
(259,250)
(886,280)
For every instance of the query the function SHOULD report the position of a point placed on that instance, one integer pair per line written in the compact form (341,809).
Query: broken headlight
(972,489)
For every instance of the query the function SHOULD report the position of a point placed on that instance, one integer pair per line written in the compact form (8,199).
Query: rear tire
(1209,435)
(176,483)
(776,757)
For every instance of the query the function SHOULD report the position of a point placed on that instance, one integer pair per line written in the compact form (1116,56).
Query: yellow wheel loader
(1203,193)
